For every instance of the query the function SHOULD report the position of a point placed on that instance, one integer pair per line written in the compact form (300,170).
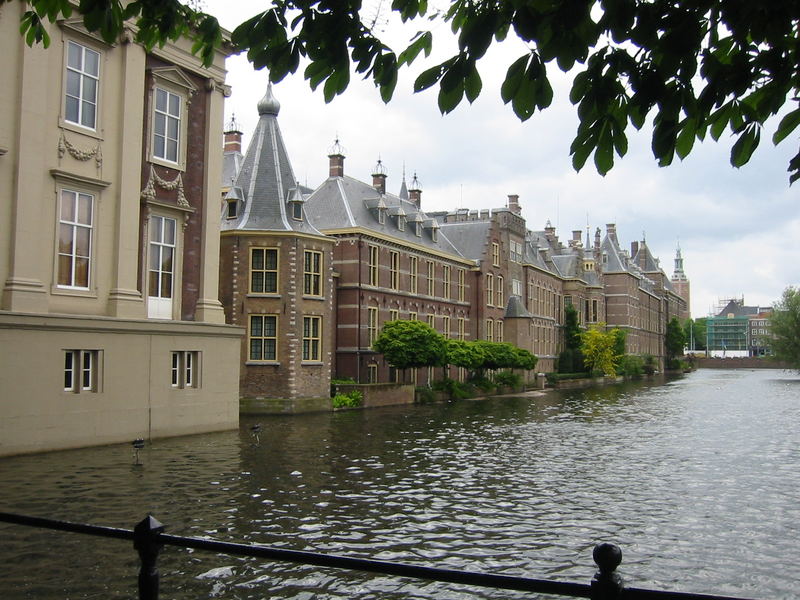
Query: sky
(738,229)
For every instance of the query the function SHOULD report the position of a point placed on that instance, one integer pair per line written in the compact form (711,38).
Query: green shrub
(508,379)
(351,399)
(454,389)
(649,364)
(554,377)
(570,361)
(482,383)
(424,394)
(630,365)
(335,382)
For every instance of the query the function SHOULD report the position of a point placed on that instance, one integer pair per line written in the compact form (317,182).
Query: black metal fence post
(607,583)
(146,544)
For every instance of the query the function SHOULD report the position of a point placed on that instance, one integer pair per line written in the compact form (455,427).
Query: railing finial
(146,543)
(607,583)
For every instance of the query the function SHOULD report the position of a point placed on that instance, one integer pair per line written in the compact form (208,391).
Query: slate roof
(516,309)
(265,180)
(470,237)
(348,203)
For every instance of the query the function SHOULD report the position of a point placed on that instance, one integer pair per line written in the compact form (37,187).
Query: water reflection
(695,479)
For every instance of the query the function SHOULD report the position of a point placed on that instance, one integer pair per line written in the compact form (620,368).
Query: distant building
(110,326)
(728,333)
(758,334)
(681,283)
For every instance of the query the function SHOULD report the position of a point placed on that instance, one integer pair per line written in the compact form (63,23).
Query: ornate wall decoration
(65,146)
(149,191)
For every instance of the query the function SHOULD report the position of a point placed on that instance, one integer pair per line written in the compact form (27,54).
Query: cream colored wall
(136,398)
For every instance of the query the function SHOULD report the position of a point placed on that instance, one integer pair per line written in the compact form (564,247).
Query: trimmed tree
(598,350)
(410,345)
(674,340)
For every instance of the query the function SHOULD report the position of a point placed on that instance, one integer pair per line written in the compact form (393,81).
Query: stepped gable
(265,184)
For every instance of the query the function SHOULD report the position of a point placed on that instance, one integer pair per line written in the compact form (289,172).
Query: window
(312,332)
(264,270)
(297,211)
(185,369)
(312,273)
(372,373)
(430,319)
(401,223)
(431,281)
(489,289)
(515,253)
(500,292)
(567,301)
(167,125)
(461,328)
(231,214)
(372,325)
(498,331)
(446,282)
(446,327)
(516,287)
(489,330)
(594,311)
(373,265)
(161,268)
(413,266)
(434,234)
(394,270)
(418,229)
(462,274)
(532,298)
(75,239)
(83,82)
(81,371)
(495,254)
(394,314)
(263,338)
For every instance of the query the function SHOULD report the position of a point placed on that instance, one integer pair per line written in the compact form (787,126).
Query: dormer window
(401,223)
(418,229)
(434,234)
(297,211)
(231,214)
(381,215)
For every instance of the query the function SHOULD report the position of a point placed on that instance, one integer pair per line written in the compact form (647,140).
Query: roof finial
(337,149)
(268,105)
(232,126)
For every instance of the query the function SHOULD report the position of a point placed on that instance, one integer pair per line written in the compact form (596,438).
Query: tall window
(431,280)
(162,266)
(312,273)
(394,314)
(394,270)
(446,327)
(461,285)
(446,282)
(489,330)
(495,254)
(372,324)
(81,370)
(166,125)
(489,289)
(264,270)
(516,287)
(373,265)
(413,267)
(263,338)
(500,292)
(83,81)
(372,373)
(185,369)
(412,316)
(431,322)
(75,239)
(515,253)
(462,328)
(312,338)
(594,311)
(498,331)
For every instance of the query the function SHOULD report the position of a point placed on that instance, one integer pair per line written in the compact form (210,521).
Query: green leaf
(428,77)
(686,137)
(787,125)
(472,84)
(450,98)
(746,144)
(604,154)
(422,42)
(514,76)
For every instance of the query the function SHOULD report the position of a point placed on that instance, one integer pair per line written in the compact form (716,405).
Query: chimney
(379,177)
(233,137)
(415,192)
(513,204)
(611,231)
(336,160)
(576,238)
(634,249)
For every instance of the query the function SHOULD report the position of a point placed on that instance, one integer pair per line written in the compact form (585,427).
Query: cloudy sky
(739,230)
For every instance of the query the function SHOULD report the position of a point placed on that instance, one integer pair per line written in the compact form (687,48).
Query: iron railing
(148,538)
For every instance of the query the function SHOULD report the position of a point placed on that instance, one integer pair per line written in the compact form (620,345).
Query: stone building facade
(110,322)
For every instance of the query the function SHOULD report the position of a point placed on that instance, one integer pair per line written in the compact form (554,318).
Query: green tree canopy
(468,355)
(695,332)
(410,344)
(598,349)
(694,67)
(674,339)
(572,331)
(785,327)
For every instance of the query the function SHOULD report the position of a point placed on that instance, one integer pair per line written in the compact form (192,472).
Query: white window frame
(413,274)
(84,76)
(82,370)
(446,282)
(75,226)
(431,278)
(160,306)
(185,369)
(172,81)
(394,270)
(372,325)
(374,256)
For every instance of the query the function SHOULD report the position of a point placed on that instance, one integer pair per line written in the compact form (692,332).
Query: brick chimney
(634,249)
(415,191)
(336,160)
(379,177)
(513,204)
(233,137)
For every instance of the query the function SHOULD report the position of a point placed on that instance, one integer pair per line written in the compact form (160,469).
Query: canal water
(696,478)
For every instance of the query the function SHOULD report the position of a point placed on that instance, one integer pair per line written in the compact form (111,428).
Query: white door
(161,267)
